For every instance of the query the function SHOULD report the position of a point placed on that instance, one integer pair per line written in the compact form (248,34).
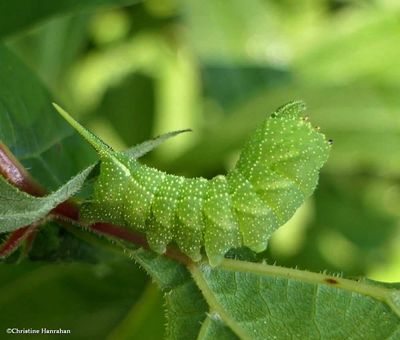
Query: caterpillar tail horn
(100,146)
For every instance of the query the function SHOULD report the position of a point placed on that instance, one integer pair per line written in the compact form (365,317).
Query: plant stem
(15,173)
(15,239)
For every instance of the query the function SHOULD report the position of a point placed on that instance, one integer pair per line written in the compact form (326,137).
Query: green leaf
(32,129)
(18,209)
(90,300)
(186,307)
(260,301)
(39,138)
(20,14)
(214,328)
(145,320)
(43,48)
(129,108)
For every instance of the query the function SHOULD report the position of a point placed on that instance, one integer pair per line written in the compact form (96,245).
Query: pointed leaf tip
(141,149)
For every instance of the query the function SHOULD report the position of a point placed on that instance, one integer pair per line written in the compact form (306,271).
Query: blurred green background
(219,67)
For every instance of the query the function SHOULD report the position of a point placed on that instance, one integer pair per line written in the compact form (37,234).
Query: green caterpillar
(277,170)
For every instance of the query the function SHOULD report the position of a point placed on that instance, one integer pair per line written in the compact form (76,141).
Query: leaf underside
(247,302)
(18,209)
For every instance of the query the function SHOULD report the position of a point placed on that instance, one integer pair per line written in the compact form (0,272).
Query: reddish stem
(67,209)
(120,233)
(29,241)
(14,172)
(70,211)
(15,239)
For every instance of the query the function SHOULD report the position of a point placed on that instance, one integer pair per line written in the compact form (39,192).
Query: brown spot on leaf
(331,281)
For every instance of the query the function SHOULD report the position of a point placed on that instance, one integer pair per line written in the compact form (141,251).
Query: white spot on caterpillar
(121,166)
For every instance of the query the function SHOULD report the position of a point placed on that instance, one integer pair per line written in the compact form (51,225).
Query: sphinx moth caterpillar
(277,170)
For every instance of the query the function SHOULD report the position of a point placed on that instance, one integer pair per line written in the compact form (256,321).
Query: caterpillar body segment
(190,224)
(163,213)
(277,170)
(282,161)
(255,219)
(221,228)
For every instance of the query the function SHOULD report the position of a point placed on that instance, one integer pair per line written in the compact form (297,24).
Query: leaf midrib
(215,306)
(377,292)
